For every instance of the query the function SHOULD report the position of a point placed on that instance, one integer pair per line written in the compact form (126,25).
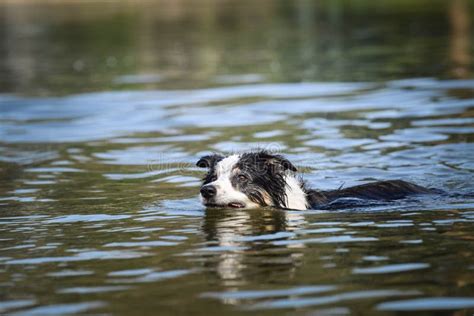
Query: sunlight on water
(105,109)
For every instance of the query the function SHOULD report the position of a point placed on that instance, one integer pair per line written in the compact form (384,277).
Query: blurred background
(58,47)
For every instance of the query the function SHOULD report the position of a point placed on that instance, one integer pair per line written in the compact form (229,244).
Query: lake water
(106,106)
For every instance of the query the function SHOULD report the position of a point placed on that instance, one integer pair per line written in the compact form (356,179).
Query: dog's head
(249,180)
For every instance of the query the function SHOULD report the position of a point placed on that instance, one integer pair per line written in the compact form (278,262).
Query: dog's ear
(276,160)
(208,161)
(286,164)
(283,162)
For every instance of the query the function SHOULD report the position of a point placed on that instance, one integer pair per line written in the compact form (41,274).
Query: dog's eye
(242,177)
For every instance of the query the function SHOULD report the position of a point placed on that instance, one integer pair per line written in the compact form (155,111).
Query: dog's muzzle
(208,191)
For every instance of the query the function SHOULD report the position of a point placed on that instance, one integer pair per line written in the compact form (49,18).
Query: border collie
(259,179)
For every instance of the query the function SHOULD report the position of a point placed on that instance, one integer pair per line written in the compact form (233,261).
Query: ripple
(221,248)
(248,146)
(374,258)
(23,219)
(25,157)
(53,169)
(278,235)
(23,191)
(320,230)
(391,268)
(83,256)
(411,241)
(269,134)
(140,175)
(329,223)
(163,139)
(182,180)
(449,121)
(325,240)
(428,304)
(138,79)
(414,136)
(154,276)
(5,306)
(339,143)
(394,225)
(70,273)
(145,155)
(39,182)
(85,218)
(154,243)
(92,289)
(324,300)
(62,309)
(243,295)
(132,272)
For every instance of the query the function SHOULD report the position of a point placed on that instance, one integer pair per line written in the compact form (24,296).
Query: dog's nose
(208,191)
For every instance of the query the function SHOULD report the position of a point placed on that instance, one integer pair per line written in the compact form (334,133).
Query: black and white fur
(259,179)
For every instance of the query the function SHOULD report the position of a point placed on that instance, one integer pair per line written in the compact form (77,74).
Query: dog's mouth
(231,205)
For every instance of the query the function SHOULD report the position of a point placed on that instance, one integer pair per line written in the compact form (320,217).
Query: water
(105,108)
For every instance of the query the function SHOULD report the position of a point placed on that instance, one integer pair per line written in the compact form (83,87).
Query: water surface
(104,113)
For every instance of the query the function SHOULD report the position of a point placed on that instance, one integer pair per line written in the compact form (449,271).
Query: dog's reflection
(247,241)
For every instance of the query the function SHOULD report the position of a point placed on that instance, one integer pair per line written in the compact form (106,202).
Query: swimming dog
(260,179)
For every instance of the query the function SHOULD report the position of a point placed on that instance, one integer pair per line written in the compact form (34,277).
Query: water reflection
(237,238)
(459,52)
(265,234)
(149,44)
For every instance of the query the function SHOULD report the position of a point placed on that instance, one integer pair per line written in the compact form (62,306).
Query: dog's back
(375,191)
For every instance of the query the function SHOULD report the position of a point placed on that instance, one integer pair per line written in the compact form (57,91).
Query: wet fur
(272,182)
(376,191)
(267,174)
